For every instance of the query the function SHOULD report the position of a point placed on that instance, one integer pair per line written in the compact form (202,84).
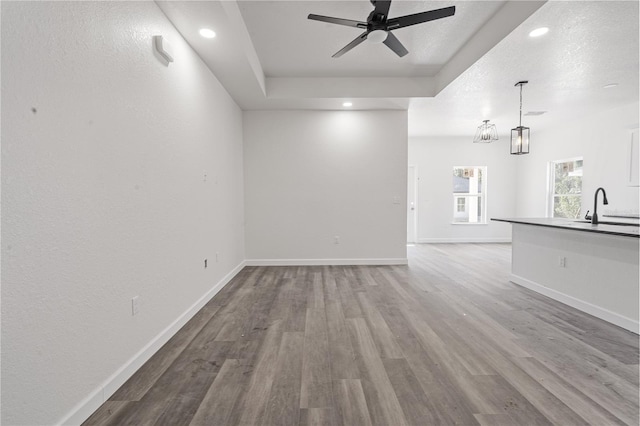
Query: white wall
(603,141)
(104,151)
(434,159)
(314,175)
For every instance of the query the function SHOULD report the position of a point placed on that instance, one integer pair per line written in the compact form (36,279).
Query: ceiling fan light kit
(378,26)
(520,135)
(377,36)
(486,133)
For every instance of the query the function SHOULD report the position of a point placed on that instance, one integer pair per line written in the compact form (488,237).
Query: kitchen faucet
(594,216)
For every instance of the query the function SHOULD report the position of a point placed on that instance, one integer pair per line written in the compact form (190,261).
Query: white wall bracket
(163,47)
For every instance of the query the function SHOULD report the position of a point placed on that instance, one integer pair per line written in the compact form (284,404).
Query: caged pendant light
(520,135)
(486,133)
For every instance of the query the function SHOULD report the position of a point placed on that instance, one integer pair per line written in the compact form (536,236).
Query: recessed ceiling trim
(242,35)
(340,87)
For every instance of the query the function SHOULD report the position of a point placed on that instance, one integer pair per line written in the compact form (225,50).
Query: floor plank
(283,407)
(351,403)
(218,403)
(315,389)
(445,340)
(386,343)
(383,402)
(252,407)
(414,402)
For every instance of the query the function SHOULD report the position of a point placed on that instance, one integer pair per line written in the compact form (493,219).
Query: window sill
(469,224)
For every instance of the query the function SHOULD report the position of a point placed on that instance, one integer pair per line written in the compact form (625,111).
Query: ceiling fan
(378,26)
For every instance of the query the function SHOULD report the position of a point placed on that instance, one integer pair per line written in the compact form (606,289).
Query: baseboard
(596,311)
(90,404)
(325,262)
(462,240)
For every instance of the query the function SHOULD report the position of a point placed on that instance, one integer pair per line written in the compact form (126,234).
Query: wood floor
(447,340)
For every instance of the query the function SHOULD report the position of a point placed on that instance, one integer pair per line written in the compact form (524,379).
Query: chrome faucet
(594,216)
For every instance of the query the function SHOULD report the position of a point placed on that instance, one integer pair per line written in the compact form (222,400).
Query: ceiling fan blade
(381,7)
(362,37)
(394,44)
(339,21)
(418,18)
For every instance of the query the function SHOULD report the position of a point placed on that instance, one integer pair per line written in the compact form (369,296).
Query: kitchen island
(593,268)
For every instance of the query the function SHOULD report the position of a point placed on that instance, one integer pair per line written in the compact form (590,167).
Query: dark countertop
(576,225)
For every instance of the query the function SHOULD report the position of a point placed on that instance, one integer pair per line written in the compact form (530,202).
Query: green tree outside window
(567,189)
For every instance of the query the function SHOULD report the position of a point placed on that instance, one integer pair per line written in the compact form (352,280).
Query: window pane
(468,189)
(467,180)
(567,206)
(460,181)
(566,189)
(471,211)
(568,177)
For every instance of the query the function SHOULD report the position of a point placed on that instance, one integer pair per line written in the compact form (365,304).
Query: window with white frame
(469,194)
(565,188)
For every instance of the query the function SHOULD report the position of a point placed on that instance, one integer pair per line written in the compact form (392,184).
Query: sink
(603,222)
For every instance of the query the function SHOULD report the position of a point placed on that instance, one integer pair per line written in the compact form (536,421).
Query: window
(469,194)
(565,188)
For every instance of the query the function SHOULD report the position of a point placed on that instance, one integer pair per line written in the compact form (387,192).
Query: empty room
(312,212)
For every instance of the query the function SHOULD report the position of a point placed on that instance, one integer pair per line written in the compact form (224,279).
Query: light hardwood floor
(447,340)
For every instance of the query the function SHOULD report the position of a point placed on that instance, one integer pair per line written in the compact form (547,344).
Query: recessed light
(610,85)
(347,104)
(539,32)
(207,33)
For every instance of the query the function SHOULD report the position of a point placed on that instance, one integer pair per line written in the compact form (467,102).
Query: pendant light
(520,135)
(486,133)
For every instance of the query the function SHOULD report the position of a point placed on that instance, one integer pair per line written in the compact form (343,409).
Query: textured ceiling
(290,45)
(589,45)
(459,70)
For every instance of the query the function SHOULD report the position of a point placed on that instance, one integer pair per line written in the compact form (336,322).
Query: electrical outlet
(562,262)
(135,305)
(336,240)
